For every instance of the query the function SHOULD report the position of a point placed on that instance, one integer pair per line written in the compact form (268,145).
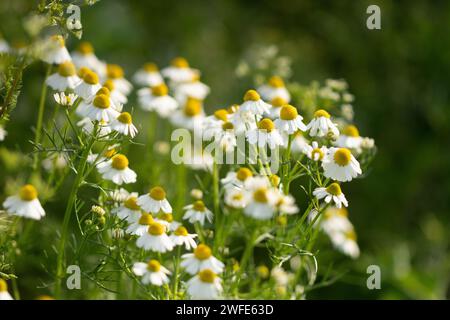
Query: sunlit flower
(236,179)
(155,239)
(214,123)
(119,195)
(116,169)
(262,199)
(201,259)
(25,204)
(339,164)
(65,99)
(152,272)
(89,85)
(84,56)
(331,193)
(157,99)
(190,116)
(197,212)
(265,134)
(180,237)
(55,50)
(148,75)
(280,276)
(346,243)
(88,126)
(274,88)
(349,138)
(115,73)
(194,89)
(254,105)
(235,198)
(179,71)
(276,104)
(286,204)
(124,125)
(65,78)
(313,151)
(117,97)
(4,294)
(99,109)
(154,201)
(298,144)
(139,226)
(129,210)
(290,121)
(321,125)
(205,285)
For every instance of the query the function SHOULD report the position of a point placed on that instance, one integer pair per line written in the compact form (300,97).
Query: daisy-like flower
(265,134)
(235,198)
(201,259)
(339,164)
(313,151)
(65,78)
(100,109)
(197,212)
(290,121)
(155,201)
(274,88)
(286,204)
(3,133)
(276,104)
(4,294)
(152,272)
(253,104)
(155,239)
(298,144)
(167,220)
(116,96)
(179,71)
(140,226)
(190,116)
(65,100)
(194,89)
(206,285)
(157,99)
(119,195)
(89,85)
(331,193)
(261,198)
(25,204)
(124,125)
(346,243)
(334,220)
(88,126)
(237,179)
(349,138)
(148,75)
(55,161)
(115,73)
(84,56)
(116,169)
(214,123)
(321,125)
(181,237)
(55,50)
(129,210)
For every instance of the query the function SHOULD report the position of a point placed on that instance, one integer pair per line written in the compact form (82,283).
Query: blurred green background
(399,76)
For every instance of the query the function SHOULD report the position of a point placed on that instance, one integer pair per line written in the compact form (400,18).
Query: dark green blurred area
(399,76)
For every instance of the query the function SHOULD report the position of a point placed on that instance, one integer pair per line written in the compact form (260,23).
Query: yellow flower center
(343,212)
(202,252)
(193,107)
(166,217)
(227,126)
(342,157)
(221,114)
(85,48)
(109,84)
(82,71)
(114,71)
(66,69)
(109,153)
(243,174)
(276,82)
(160,90)
(281,220)
(131,203)
(125,118)
(351,235)
(351,131)
(180,62)
(274,180)
(288,112)
(156,229)
(199,206)
(157,193)
(207,275)
(278,102)
(28,193)
(90,77)
(145,219)
(103,90)
(153,265)
(150,67)
(251,95)
(119,162)
(238,196)
(317,151)
(181,231)
(260,195)
(59,40)
(101,101)
(334,189)
(321,113)
(262,271)
(266,124)
(3,286)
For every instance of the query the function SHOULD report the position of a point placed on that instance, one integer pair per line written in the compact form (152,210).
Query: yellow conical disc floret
(193,107)
(342,157)
(82,71)
(125,118)
(109,84)
(119,162)
(199,206)
(145,219)
(3,285)
(156,229)
(276,82)
(202,252)
(131,203)
(321,113)
(166,216)
(114,71)
(288,112)
(181,231)
(101,101)
(260,195)
(28,193)
(207,275)
(243,174)
(160,90)
(180,62)
(157,193)
(150,67)
(85,48)
(266,124)
(58,39)
(221,114)
(334,189)
(90,77)
(227,126)
(66,69)
(153,265)
(251,95)
(103,90)
(351,131)
(278,102)
(109,153)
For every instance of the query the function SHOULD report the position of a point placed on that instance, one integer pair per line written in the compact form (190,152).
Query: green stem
(248,252)
(216,206)
(175,273)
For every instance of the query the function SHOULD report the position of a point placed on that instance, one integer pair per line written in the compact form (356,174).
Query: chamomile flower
(194,89)
(119,195)
(55,50)
(331,193)
(274,88)
(155,201)
(167,220)
(349,138)
(65,99)
(25,204)
(155,239)
(205,285)
(313,151)
(3,133)
(140,226)
(191,116)
(84,56)
(115,73)
(346,243)
(116,96)
(180,237)
(335,221)
(262,199)
(265,134)
(157,99)
(148,75)
(152,273)
(214,123)
(201,259)
(89,85)
(129,210)
(124,125)
(286,204)
(4,294)
(56,161)
(321,125)
(237,179)
(339,164)
(276,104)
(254,105)
(179,71)
(299,143)
(290,121)
(65,78)
(116,169)
(99,109)
(197,212)
(235,198)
